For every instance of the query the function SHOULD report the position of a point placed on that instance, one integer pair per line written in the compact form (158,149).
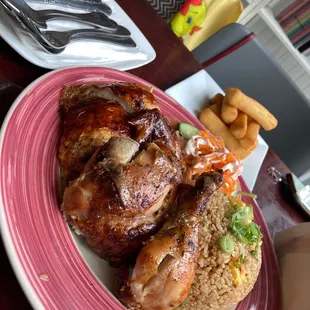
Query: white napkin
(293,251)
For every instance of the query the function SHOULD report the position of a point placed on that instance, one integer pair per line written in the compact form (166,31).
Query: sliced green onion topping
(227,244)
(245,194)
(243,228)
(239,262)
(242,215)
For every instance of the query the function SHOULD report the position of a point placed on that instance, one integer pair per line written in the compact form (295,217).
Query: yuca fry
(228,113)
(241,153)
(216,109)
(239,126)
(236,98)
(217,127)
(252,130)
(248,144)
(218,98)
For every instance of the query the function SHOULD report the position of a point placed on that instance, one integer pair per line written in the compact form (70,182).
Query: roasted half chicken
(123,176)
(165,267)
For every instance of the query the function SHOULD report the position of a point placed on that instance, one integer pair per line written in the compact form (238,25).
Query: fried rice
(218,284)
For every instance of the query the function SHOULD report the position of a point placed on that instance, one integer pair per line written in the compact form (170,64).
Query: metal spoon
(42,16)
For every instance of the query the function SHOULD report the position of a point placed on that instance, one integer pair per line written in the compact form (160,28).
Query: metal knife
(292,185)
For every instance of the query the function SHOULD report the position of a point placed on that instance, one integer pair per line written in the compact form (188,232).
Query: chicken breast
(119,204)
(120,189)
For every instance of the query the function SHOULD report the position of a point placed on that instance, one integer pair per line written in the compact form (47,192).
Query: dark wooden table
(172,64)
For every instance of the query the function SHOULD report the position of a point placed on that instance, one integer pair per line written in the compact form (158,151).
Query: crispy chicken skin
(118,204)
(118,239)
(165,267)
(92,115)
(111,187)
(131,96)
(150,125)
(86,128)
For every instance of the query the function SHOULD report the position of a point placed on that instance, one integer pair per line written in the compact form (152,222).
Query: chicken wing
(131,96)
(86,128)
(165,267)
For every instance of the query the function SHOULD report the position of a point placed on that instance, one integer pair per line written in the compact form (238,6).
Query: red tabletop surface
(173,63)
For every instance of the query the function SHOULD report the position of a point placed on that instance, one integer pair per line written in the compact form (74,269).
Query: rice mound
(213,286)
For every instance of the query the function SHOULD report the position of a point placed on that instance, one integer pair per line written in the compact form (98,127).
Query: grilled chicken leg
(165,268)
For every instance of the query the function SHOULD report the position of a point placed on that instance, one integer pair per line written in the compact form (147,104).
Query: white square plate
(193,94)
(79,53)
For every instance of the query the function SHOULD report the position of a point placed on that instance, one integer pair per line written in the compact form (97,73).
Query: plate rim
(17,266)
(19,272)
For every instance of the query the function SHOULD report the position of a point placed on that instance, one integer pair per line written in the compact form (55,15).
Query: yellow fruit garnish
(236,202)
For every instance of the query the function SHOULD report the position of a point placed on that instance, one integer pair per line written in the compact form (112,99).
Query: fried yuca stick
(252,130)
(218,98)
(249,141)
(236,98)
(248,144)
(242,153)
(228,113)
(216,104)
(216,109)
(217,127)
(239,126)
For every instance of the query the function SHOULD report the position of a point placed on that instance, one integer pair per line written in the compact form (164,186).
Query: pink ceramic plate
(54,268)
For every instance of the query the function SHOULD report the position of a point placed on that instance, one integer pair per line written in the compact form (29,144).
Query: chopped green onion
(251,195)
(255,251)
(239,262)
(243,215)
(151,90)
(243,228)
(227,244)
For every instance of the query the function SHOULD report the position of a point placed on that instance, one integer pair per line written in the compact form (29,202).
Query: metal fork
(41,17)
(89,5)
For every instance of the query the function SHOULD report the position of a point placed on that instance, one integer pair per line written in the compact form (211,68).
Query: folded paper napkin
(293,251)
